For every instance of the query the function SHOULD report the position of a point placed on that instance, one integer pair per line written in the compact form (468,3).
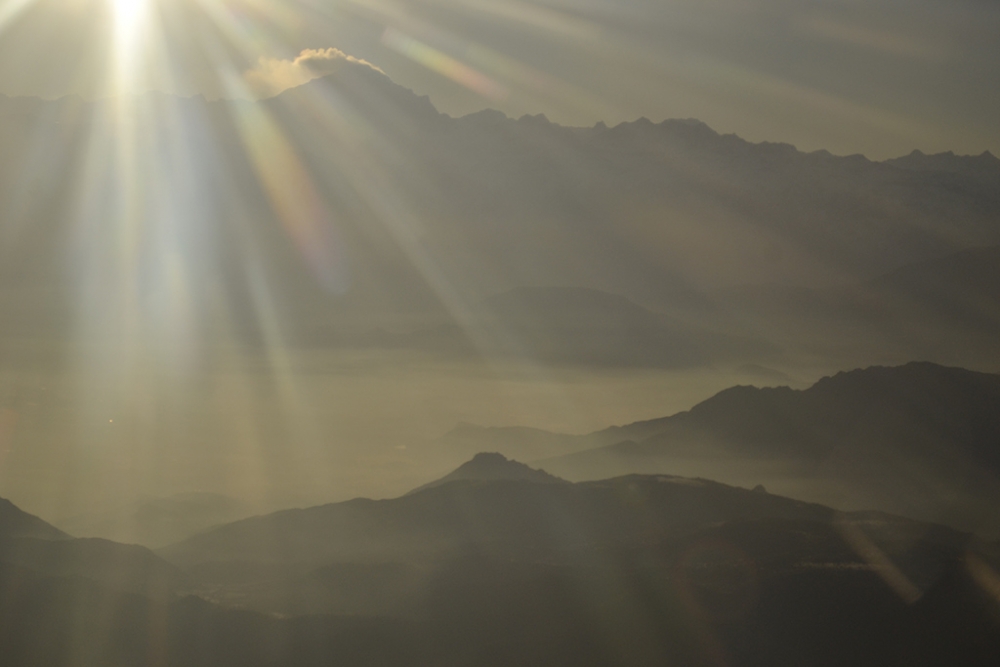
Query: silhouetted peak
(368,90)
(485,117)
(689,127)
(492,466)
(779,148)
(537,119)
(488,459)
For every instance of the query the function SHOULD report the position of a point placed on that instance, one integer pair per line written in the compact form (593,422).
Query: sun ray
(10,10)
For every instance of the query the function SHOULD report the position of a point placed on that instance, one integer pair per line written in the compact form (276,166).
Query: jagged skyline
(773,70)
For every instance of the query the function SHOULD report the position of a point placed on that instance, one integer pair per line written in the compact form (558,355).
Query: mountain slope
(443,518)
(29,543)
(919,439)
(517,442)
(121,567)
(487,466)
(630,568)
(15,523)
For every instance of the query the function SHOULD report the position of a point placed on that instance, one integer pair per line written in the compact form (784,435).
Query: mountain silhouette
(122,567)
(421,217)
(30,543)
(625,571)
(883,436)
(15,523)
(504,508)
(467,511)
(526,566)
(490,466)
(517,442)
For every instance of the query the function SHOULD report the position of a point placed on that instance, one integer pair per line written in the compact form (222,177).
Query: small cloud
(273,75)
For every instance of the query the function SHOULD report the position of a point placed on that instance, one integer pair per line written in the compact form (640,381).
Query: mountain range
(499,563)
(491,466)
(918,440)
(447,232)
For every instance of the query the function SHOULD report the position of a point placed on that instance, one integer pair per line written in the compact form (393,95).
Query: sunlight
(127,12)
(11,10)
(129,24)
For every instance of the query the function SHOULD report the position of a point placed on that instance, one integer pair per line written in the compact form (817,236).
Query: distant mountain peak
(489,459)
(492,466)
(539,119)
(486,116)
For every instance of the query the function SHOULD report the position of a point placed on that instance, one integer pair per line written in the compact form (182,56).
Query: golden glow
(127,11)
(131,42)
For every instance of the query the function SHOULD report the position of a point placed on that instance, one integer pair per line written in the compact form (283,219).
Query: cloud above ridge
(271,76)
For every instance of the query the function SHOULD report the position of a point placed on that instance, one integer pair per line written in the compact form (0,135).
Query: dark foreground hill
(29,542)
(324,558)
(633,571)
(489,614)
(15,523)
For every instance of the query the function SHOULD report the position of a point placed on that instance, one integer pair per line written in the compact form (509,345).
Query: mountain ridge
(427,215)
(491,466)
(887,433)
(16,523)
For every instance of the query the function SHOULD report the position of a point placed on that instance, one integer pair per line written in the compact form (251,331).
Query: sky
(878,77)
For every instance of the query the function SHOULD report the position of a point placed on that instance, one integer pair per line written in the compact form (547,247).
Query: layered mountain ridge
(422,217)
(881,438)
(539,570)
